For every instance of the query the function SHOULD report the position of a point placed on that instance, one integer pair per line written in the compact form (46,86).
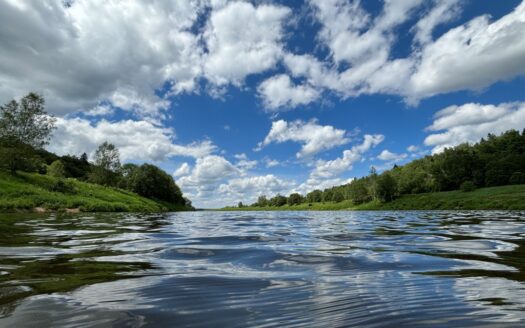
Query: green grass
(26,191)
(494,198)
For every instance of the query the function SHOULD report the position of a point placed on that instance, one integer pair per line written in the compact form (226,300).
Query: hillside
(493,198)
(30,191)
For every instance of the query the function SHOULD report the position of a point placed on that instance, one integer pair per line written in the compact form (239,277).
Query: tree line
(26,128)
(493,161)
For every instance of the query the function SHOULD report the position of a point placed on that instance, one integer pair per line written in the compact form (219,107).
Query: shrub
(56,169)
(467,186)
(62,186)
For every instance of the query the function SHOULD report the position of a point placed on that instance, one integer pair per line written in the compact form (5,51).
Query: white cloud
(184,169)
(100,110)
(412,148)
(243,39)
(244,163)
(389,156)
(472,56)
(249,188)
(471,122)
(271,162)
(207,171)
(136,140)
(215,182)
(444,11)
(97,50)
(326,173)
(314,137)
(279,93)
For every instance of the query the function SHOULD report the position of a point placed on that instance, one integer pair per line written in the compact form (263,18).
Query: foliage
(262,201)
(26,121)
(107,165)
(149,181)
(295,199)
(497,198)
(494,161)
(30,190)
(278,201)
(467,186)
(24,128)
(314,196)
(386,187)
(56,169)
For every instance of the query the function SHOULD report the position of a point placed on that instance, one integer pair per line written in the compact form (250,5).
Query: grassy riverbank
(30,192)
(494,198)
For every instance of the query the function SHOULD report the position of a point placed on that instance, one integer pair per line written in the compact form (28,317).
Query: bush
(62,186)
(467,186)
(56,169)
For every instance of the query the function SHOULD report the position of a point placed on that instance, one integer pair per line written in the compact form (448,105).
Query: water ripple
(263,269)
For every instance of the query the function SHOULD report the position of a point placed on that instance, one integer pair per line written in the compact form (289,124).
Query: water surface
(263,269)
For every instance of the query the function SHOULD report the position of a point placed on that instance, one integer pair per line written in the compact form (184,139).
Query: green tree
(262,201)
(56,169)
(386,187)
(315,196)
(278,201)
(338,196)
(358,191)
(152,182)
(240,205)
(295,199)
(24,127)
(107,165)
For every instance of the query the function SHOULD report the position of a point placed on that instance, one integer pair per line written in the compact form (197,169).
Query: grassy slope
(27,191)
(506,197)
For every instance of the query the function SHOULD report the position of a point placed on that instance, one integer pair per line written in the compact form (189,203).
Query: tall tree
(107,165)
(24,127)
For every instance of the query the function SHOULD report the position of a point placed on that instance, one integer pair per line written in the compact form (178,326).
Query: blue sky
(243,98)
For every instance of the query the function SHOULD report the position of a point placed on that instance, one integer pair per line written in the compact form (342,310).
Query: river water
(263,269)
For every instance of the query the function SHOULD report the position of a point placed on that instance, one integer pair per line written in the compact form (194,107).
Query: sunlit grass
(27,191)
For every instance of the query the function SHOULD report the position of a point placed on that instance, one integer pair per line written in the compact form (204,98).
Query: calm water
(239,269)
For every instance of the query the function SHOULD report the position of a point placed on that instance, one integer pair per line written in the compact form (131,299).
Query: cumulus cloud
(471,122)
(389,156)
(136,140)
(444,11)
(326,173)
(243,39)
(214,181)
(184,169)
(470,56)
(279,93)
(89,51)
(314,137)
(249,188)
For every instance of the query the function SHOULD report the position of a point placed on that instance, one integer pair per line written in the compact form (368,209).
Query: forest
(493,161)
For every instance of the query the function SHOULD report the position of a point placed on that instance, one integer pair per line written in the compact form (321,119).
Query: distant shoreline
(510,197)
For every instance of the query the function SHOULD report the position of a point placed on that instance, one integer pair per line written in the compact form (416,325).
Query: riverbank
(40,193)
(493,198)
